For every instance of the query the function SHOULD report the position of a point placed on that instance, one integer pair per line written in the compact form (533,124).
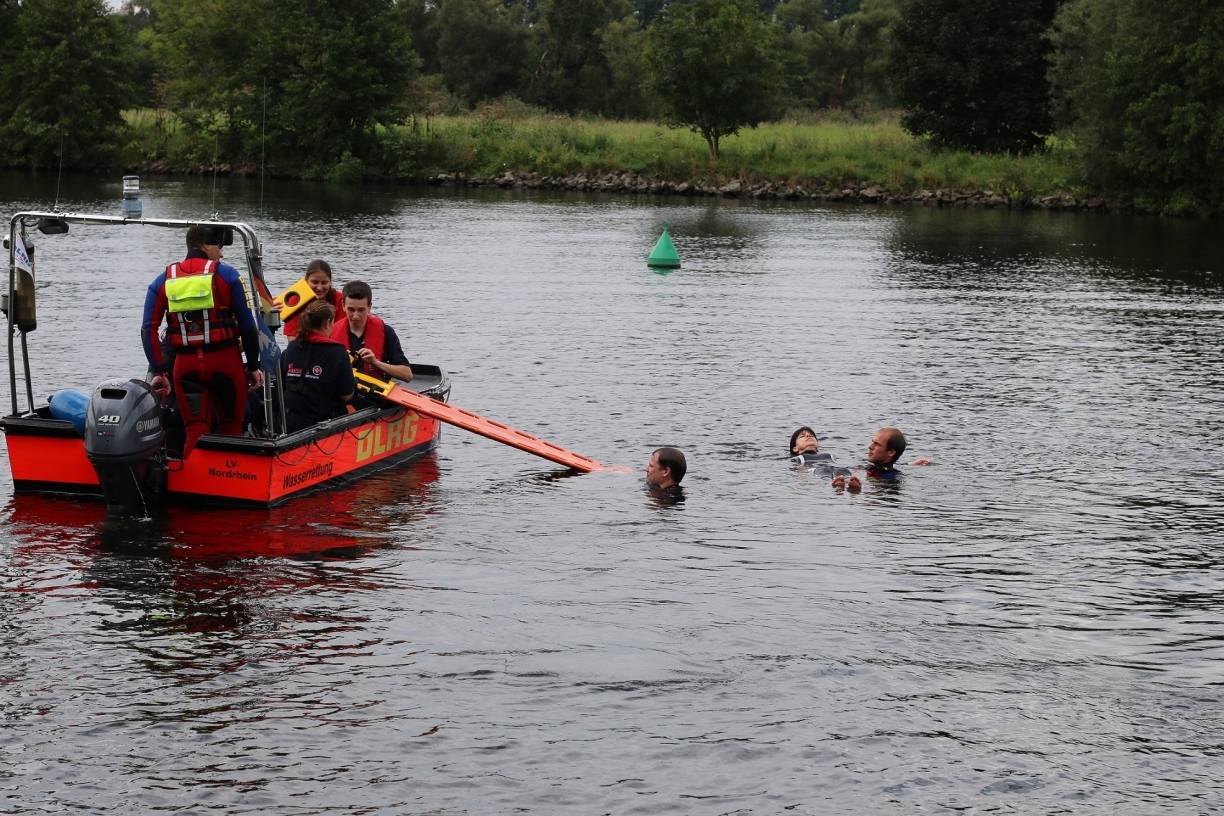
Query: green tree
(137,20)
(836,9)
(421,17)
(623,45)
(865,35)
(482,47)
(836,53)
(811,55)
(64,82)
(973,75)
(317,73)
(212,57)
(1140,84)
(715,65)
(342,68)
(647,10)
(571,71)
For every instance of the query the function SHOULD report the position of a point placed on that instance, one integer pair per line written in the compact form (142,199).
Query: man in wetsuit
(368,338)
(207,315)
(883,452)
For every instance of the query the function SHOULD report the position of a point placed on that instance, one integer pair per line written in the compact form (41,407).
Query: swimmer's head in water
(804,441)
(886,447)
(666,468)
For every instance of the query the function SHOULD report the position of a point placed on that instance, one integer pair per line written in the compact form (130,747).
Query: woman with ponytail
(316,370)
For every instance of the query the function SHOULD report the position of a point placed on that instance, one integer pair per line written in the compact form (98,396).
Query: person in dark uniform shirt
(316,371)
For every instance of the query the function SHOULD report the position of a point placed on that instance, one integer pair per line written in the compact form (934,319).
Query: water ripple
(1032,624)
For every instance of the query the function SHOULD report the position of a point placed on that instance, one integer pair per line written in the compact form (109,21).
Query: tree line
(1135,87)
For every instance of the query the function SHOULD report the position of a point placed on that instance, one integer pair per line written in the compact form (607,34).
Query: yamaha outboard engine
(125,443)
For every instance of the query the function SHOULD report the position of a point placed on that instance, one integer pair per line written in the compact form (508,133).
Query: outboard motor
(126,445)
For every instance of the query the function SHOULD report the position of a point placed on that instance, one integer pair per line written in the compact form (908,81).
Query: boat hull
(47,455)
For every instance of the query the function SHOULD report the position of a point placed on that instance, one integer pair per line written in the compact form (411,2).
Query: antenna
(263,144)
(59,175)
(213,207)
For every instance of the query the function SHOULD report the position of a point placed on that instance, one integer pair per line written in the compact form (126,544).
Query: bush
(973,75)
(1141,85)
(346,170)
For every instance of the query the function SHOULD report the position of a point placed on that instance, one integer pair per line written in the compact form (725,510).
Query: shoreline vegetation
(1059,104)
(830,157)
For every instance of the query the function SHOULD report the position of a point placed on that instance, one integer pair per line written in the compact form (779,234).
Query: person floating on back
(804,448)
(883,452)
(207,314)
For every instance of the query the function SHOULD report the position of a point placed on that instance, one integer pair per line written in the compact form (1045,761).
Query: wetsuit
(883,474)
(317,375)
(207,369)
(819,462)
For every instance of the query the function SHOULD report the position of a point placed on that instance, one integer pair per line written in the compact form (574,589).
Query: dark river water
(1033,624)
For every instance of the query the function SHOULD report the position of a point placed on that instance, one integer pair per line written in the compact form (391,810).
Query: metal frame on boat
(48,454)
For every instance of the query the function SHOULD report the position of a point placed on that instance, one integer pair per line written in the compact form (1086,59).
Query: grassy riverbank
(820,154)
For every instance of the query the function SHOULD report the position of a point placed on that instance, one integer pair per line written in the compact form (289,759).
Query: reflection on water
(988,243)
(192,571)
(326,522)
(1032,624)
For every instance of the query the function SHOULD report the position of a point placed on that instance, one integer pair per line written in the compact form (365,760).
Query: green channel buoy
(664,255)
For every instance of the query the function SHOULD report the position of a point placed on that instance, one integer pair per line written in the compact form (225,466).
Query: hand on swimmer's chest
(851,483)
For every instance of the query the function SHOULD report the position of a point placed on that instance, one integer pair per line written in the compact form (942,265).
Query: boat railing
(18,301)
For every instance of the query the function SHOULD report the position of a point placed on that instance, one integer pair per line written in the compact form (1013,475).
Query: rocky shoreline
(632,183)
(629,183)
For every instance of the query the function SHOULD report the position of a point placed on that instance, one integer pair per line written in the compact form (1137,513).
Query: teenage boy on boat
(207,315)
(368,338)
(883,452)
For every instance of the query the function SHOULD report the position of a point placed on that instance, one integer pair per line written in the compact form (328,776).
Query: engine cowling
(125,442)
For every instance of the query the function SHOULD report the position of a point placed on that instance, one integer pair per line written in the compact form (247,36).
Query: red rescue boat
(53,454)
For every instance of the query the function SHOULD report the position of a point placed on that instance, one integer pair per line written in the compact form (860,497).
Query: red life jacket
(375,339)
(320,337)
(208,327)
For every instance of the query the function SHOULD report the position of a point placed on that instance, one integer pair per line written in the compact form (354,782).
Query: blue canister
(71,405)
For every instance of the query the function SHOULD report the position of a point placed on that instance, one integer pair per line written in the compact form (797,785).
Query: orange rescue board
(475,423)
